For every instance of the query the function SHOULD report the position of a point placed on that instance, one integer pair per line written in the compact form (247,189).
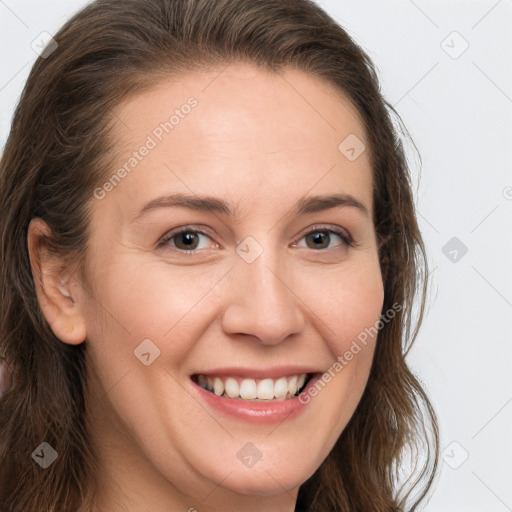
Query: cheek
(135,300)
(174,306)
(351,306)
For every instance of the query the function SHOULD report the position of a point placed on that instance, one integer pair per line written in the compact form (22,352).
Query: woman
(210,257)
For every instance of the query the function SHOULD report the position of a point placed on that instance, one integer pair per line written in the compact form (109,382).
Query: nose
(262,303)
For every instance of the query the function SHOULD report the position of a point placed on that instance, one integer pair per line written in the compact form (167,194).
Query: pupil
(188,239)
(320,237)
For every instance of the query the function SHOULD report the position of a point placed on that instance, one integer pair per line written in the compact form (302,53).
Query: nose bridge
(267,280)
(262,304)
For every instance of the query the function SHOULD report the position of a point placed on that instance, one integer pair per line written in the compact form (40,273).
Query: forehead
(238,131)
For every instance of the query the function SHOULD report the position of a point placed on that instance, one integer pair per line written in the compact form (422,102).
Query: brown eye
(318,240)
(325,238)
(186,240)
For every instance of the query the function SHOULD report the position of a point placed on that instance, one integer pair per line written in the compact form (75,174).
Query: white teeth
(251,389)
(266,389)
(281,387)
(232,388)
(218,386)
(292,385)
(248,389)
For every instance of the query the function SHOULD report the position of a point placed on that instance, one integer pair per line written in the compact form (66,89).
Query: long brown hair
(57,153)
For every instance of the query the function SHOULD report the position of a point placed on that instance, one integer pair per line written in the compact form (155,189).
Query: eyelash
(345,237)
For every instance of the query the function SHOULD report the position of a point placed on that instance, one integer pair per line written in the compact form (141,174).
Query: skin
(158,448)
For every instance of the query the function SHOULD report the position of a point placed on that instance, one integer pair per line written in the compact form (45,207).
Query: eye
(322,238)
(186,239)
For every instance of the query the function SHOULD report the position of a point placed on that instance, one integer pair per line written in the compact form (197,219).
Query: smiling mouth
(254,390)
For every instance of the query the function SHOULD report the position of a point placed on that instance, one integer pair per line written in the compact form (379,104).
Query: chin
(262,484)
(262,479)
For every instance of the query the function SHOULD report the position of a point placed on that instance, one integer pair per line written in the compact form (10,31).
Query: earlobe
(60,306)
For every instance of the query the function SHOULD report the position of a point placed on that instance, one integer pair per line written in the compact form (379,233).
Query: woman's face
(218,253)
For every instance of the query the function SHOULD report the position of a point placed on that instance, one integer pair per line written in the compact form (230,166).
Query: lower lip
(264,412)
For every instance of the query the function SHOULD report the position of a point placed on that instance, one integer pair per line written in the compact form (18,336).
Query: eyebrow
(305,205)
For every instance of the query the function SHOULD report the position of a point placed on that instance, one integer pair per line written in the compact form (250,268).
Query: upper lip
(259,373)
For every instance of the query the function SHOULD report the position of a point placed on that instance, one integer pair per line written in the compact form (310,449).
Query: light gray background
(458,107)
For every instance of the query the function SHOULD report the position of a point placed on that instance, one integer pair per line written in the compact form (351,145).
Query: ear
(59,303)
